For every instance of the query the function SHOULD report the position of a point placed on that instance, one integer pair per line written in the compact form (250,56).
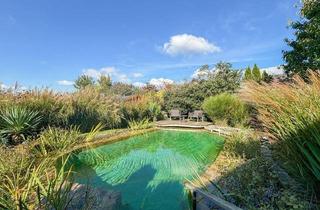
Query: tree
(256,74)
(224,79)
(203,72)
(105,83)
(248,74)
(123,89)
(304,54)
(266,77)
(83,81)
(190,95)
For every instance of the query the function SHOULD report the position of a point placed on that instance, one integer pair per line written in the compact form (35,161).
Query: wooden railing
(199,194)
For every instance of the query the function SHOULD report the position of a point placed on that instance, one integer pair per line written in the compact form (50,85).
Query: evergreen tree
(266,77)
(256,74)
(305,48)
(248,74)
(83,81)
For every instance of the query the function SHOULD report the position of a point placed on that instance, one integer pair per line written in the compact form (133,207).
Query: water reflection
(149,169)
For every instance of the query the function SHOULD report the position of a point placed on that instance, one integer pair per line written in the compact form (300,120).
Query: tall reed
(290,113)
(39,175)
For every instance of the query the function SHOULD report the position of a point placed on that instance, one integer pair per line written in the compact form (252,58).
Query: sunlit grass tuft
(290,113)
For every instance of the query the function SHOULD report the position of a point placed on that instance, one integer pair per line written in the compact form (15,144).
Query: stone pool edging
(221,130)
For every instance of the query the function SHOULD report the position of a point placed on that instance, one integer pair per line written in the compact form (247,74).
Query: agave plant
(17,123)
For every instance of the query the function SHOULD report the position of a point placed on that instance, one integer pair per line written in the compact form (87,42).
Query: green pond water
(149,169)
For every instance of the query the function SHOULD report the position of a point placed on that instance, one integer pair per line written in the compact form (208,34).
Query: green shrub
(226,107)
(17,124)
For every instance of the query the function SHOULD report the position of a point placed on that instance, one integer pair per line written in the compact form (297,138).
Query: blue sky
(48,43)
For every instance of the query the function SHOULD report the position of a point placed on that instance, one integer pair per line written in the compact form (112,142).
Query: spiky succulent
(17,123)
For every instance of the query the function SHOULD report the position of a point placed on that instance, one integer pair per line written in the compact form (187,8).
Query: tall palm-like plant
(17,123)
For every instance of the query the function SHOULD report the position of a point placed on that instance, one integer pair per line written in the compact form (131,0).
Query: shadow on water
(136,191)
(149,174)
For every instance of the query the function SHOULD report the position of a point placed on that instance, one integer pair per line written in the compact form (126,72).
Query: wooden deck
(182,124)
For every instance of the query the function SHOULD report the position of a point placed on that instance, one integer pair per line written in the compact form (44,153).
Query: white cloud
(198,73)
(15,87)
(121,77)
(136,75)
(113,72)
(108,70)
(92,73)
(139,84)
(160,82)
(65,82)
(189,44)
(275,70)
(3,86)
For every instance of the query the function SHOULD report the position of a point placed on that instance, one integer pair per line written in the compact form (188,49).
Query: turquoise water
(149,170)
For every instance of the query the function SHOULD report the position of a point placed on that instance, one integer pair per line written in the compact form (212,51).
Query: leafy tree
(123,89)
(248,74)
(266,77)
(256,74)
(105,83)
(223,79)
(305,48)
(83,81)
(149,88)
(190,95)
(203,72)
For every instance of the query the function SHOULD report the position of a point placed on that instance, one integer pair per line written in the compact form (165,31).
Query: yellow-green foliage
(290,113)
(36,175)
(226,107)
(140,107)
(85,108)
(139,125)
(56,139)
(51,106)
(88,107)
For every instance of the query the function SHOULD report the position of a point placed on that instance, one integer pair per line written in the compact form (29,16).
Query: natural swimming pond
(149,169)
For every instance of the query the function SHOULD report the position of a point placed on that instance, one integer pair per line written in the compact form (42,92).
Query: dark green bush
(226,107)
